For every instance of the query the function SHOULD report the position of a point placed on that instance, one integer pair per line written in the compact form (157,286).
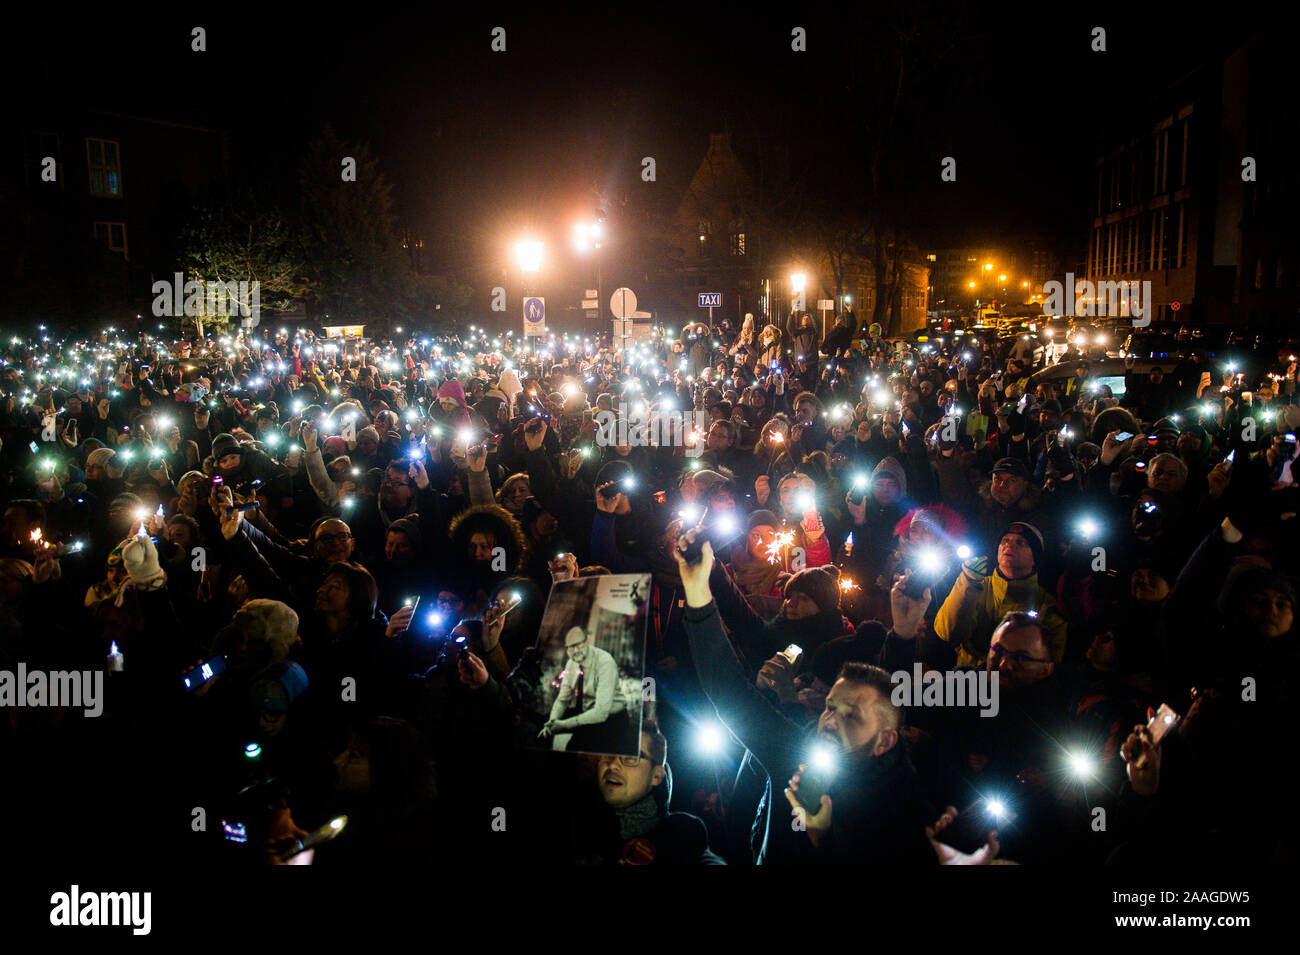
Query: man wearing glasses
(589,695)
(1024,755)
(331,543)
(642,831)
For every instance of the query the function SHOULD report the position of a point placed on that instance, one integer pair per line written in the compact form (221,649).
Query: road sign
(710,300)
(590,303)
(622,303)
(534,315)
(824,304)
(591,293)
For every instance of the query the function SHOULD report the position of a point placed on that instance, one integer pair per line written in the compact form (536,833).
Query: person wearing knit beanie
(762,518)
(889,467)
(140,559)
(224,445)
(821,585)
(100,457)
(410,526)
(1032,536)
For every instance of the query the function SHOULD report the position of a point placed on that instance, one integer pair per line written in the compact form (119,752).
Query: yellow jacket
(972,611)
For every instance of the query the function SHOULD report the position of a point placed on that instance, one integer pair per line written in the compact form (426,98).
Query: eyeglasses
(333,538)
(1019,659)
(632,761)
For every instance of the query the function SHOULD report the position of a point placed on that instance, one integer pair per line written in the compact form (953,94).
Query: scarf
(756,577)
(639,818)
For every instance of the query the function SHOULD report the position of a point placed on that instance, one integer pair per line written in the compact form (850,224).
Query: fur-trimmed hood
(497,521)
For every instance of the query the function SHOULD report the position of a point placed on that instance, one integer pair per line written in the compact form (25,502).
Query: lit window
(105,168)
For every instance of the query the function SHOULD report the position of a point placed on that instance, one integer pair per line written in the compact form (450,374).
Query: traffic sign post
(824,305)
(623,303)
(534,316)
(710,300)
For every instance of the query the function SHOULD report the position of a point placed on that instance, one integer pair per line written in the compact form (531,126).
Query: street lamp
(797,282)
(589,235)
(530,256)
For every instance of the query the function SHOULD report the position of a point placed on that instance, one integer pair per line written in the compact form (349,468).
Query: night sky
(527,138)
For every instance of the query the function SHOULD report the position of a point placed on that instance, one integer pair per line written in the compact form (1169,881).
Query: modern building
(1198,198)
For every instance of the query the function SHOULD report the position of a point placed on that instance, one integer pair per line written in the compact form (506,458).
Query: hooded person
(773,357)
(487,545)
(451,398)
(874,515)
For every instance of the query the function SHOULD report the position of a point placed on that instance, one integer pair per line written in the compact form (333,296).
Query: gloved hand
(140,559)
(976,569)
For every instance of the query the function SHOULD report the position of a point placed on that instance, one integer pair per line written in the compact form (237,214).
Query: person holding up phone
(869,805)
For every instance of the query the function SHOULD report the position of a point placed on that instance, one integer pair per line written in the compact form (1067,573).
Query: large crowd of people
(312,572)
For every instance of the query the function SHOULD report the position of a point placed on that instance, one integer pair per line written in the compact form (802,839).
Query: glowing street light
(797,282)
(530,256)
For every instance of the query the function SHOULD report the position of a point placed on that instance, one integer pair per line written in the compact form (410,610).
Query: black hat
(224,444)
(1031,534)
(1012,466)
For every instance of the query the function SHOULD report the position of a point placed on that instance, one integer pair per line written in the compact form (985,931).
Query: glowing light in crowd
(1082,766)
(710,739)
(779,543)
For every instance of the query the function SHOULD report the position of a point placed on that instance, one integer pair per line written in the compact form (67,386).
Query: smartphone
(36,448)
(72,430)
(1231,454)
(204,672)
(1164,722)
(1124,436)
(314,838)
(792,654)
(216,480)
(412,602)
(249,506)
(234,831)
(812,786)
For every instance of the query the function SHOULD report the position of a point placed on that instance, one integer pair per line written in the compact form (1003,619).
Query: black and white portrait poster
(591,654)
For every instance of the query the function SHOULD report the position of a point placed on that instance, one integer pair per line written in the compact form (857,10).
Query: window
(1180,236)
(1096,252)
(105,168)
(1160,155)
(113,235)
(37,146)
(1185,153)
(1159,239)
(738,243)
